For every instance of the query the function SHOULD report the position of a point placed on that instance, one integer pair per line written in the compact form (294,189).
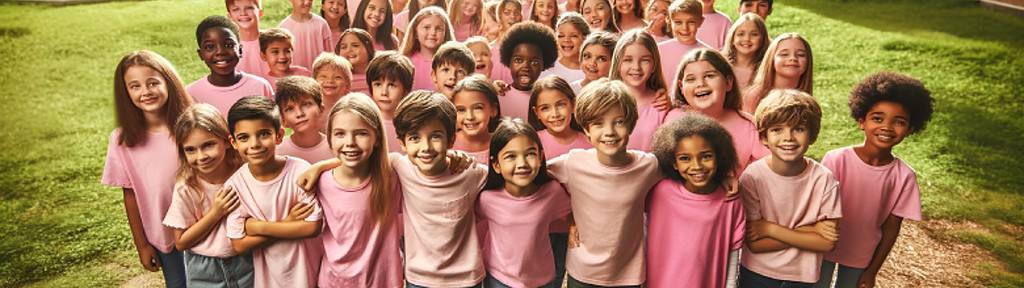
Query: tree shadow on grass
(960,18)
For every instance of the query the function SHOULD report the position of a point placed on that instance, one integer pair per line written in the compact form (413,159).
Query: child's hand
(867,280)
(147,256)
(657,23)
(502,87)
(299,212)
(225,202)
(574,236)
(308,179)
(732,187)
(661,100)
(827,229)
(459,161)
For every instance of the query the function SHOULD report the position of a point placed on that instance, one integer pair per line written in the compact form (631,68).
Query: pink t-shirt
(716,25)
(149,169)
(790,201)
(465,30)
(553,148)
(421,65)
(359,84)
(608,207)
(441,245)
(401,20)
(672,52)
(498,70)
(314,154)
(295,71)
(517,250)
(515,103)
(359,251)
(394,144)
(567,74)
(690,235)
(223,97)
(187,208)
(251,62)
(650,118)
(744,136)
(284,263)
(310,38)
(577,86)
(869,195)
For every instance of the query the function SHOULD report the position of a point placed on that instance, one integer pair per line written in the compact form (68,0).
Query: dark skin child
(220,50)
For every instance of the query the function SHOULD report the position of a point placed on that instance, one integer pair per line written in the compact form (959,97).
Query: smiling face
(518,162)
(885,125)
(684,27)
(510,14)
(791,59)
(430,33)
(609,134)
(636,67)
(354,51)
(427,147)
(695,161)
(704,87)
(569,42)
(624,7)
(245,13)
(481,58)
(147,89)
(352,140)
(788,143)
(374,14)
(301,114)
(387,93)
(446,76)
(554,110)
(760,7)
(470,8)
(657,11)
(595,62)
(527,63)
(597,13)
(334,9)
(278,56)
(747,39)
(204,151)
(474,113)
(334,81)
(546,10)
(219,49)
(256,140)
(301,7)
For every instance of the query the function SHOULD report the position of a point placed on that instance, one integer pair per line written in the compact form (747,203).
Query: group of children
(595,143)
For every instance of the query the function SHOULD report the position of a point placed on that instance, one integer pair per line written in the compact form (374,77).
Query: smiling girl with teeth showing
(219,48)
(787,64)
(428,30)
(570,32)
(745,46)
(636,63)
(476,107)
(528,49)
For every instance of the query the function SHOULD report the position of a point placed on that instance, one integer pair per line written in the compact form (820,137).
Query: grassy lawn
(62,228)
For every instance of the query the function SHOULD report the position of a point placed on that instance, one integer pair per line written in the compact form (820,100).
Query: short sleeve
(738,226)
(235,222)
(310,198)
(557,167)
(830,207)
(751,201)
(908,201)
(114,171)
(561,205)
(182,212)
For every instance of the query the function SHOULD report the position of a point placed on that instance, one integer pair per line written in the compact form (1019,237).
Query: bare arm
(249,242)
(283,230)
(890,231)
(762,236)
(225,201)
(806,240)
(147,254)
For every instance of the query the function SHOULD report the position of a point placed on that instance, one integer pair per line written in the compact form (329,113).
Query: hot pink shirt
(716,25)
(690,235)
(251,62)
(608,207)
(441,245)
(517,250)
(187,207)
(567,74)
(321,151)
(294,71)
(359,251)
(744,136)
(869,195)
(553,148)
(223,97)
(515,103)
(148,169)
(285,263)
(790,201)
(465,30)
(672,52)
(310,38)
(650,118)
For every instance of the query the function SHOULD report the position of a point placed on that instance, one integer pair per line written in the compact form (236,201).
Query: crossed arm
(764,236)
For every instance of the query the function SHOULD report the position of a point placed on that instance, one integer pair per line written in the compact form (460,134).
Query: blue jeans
(173,266)
(750,279)
(846,278)
(231,272)
(559,245)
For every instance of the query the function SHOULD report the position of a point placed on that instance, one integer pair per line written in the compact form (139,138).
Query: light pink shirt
(515,103)
(394,144)
(790,201)
(608,207)
(421,65)
(310,38)
(517,250)
(295,71)
(567,74)
(690,235)
(744,136)
(359,251)
(187,207)
(672,52)
(553,148)
(716,25)
(577,86)
(441,245)
(401,20)
(223,97)
(650,118)
(148,169)
(359,84)
(869,195)
(285,263)
(465,30)
(251,62)
(321,151)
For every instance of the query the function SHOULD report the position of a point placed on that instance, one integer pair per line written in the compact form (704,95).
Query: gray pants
(233,272)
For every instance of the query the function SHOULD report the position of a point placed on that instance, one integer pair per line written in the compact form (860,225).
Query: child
(545,12)
(246,15)
(551,112)
(607,185)
(791,201)
(466,17)
(356,46)
(599,15)
(374,17)
(716,25)
(402,19)
(276,49)
(528,49)
(200,204)
(441,245)
(311,35)
(148,97)
(685,18)
(476,108)
(267,191)
(509,13)
(694,232)
(481,55)
(788,64)
(519,204)
(657,20)
(452,62)
(334,74)
(219,50)
(361,199)
(572,29)
(335,12)
(429,29)
(390,77)
(745,46)
(491,27)
(628,14)
(595,58)
(762,8)
(706,84)
(301,103)
(879,189)
(636,63)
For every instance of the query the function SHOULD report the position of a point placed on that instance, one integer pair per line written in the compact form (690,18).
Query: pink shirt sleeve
(738,227)
(557,168)
(114,172)
(830,207)
(182,212)
(235,221)
(751,201)
(908,204)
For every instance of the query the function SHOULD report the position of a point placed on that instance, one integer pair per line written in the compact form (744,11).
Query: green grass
(62,228)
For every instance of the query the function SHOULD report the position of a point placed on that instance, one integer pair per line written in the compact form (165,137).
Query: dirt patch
(923,257)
